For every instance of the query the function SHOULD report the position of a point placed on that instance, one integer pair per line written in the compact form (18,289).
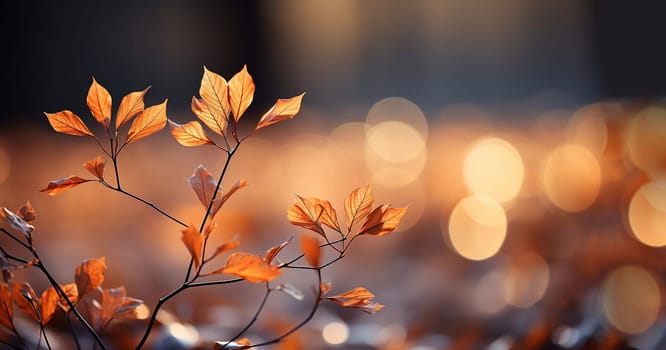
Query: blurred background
(528,139)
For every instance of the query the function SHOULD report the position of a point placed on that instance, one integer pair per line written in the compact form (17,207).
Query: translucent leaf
(17,223)
(69,123)
(129,107)
(96,167)
(99,102)
(290,291)
(241,92)
(26,212)
(25,298)
(194,243)
(224,247)
(203,184)
(358,204)
(382,220)
(189,134)
(214,92)
(56,186)
(6,309)
(359,298)
(89,275)
(311,250)
(249,267)
(150,121)
(306,212)
(71,292)
(237,186)
(274,251)
(281,110)
(206,115)
(115,304)
(49,304)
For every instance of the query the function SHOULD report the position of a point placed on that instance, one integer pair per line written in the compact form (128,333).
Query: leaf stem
(129,194)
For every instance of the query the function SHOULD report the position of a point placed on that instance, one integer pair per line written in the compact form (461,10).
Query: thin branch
(158,209)
(254,318)
(14,238)
(153,316)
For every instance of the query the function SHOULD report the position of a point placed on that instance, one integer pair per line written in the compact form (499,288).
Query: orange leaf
(116,304)
(382,220)
(150,121)
(6,309)
(26,212)
(225,247)
(190,134)
(69,123)
(281,110)
(358,204)
(49,304)
(96,167)
(328,216)
(359,298)
(206,115)
(215,93)
(25,298)
(99,102)
(194,243)
(129,107)
(249,267)
(311,250)
(237,186)
(203,184)
(56,186)
(241,92)
(89,275)
(17,223)
(71,292)
(274,251)
(306,212)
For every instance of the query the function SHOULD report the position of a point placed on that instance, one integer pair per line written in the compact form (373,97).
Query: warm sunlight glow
(631,299)
(398,109)
(5,165)
(571,177)
(395,141)
(645,140)
(186,334)
(526,280)
(485,297)
(335,333)
(477,227)
(588,128)
(494,167)
(647,214)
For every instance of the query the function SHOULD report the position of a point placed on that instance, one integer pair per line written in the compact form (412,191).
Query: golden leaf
(189,134)
(359,298)
(99,102)
(194,243)
(150,121)
(274,251)
(311,250)
(281,110)
(306,213)
(96,167)
(214,92)
(358,204)
(249,267)
(69,123)
(241,92)
(129,107)
(56,186)
(206,115)
(89,275)
(382,220)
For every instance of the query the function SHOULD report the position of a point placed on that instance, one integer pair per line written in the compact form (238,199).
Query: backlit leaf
(237,186)
(214,92)
(281,110)
(241,92)
(17,223)
(358,204)
(193,242)
(274,251)
(129,107)
(328,216)
(189,134)
(249,267)
(56,186)
(225,247)
(115,304)
(96,167)
(89,275)
(208,117)
(150,121)
(382,220)
(69,123)
(306,212)
(99,102)
(311,250)
(27,212)
(70,291)
(359,298)
(6,308)
(25,298)
(49,304)
(203,184)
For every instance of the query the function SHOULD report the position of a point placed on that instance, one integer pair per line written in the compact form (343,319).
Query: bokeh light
(400,110)
(631,299)
(485,298)
(587,127)
(335,333)
(647,214)
(646,142)
(526,280)
(477,227)
(494,167)
(571,177)
(395,141)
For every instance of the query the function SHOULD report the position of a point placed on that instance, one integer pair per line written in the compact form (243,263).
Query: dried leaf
(70,291)
(189,134)
(150,121)
(129,107)
(25,298)
(17,223)
(89,275)
(27,212)
(249,267)
(203,184)
(206,115)
(214,92)
(116,304)
(382,220)
(69,123)
(99,102)
(194,243)
(281,110)
(306,212)
(224,247)
(274,251)
(290,290)
(241,92)
(358,204)
(49,304)
(237,186)
(311,250)
(96,167)
(359,298)
(6,309)
(56,186)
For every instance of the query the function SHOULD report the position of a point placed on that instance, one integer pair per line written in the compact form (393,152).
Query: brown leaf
(129,107)
(306,212)
(69,123)
(194,243)
(25,298)
(358,204)
(17,223)
(71,292)
(274,251)
(89,275)
(241,92)
(49,304)
(359,298)
(281,110)
(115,304)
(382,220)
(206,115)
(99,102)
(249,267)
(203,184)
(214,92)
(311,250)
(56,186)
(27,212)
(96,167)
(6,309)
(189,134)
(150,121)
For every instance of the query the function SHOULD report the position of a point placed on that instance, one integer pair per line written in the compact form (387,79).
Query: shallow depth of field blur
(536,185)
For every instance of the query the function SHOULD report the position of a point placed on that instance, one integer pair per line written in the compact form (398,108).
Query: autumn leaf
(194,243)
(382,220)
(249,267)
(69,123)
(241,92)
(56,186)
(25,298)
(99,102)
(274,251)
(70,290)
(359,298)
(6,309)
(189,134)
(328,216)
(17,223)
(115,304)
(306,212)
(206,115)
(281,110)
(358,204)
(214,92)
(129,107)
(150,121)
(311,250)
(27,212)
(48,304)
(203,184)
(96,167)
(89,275)
(237,186)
